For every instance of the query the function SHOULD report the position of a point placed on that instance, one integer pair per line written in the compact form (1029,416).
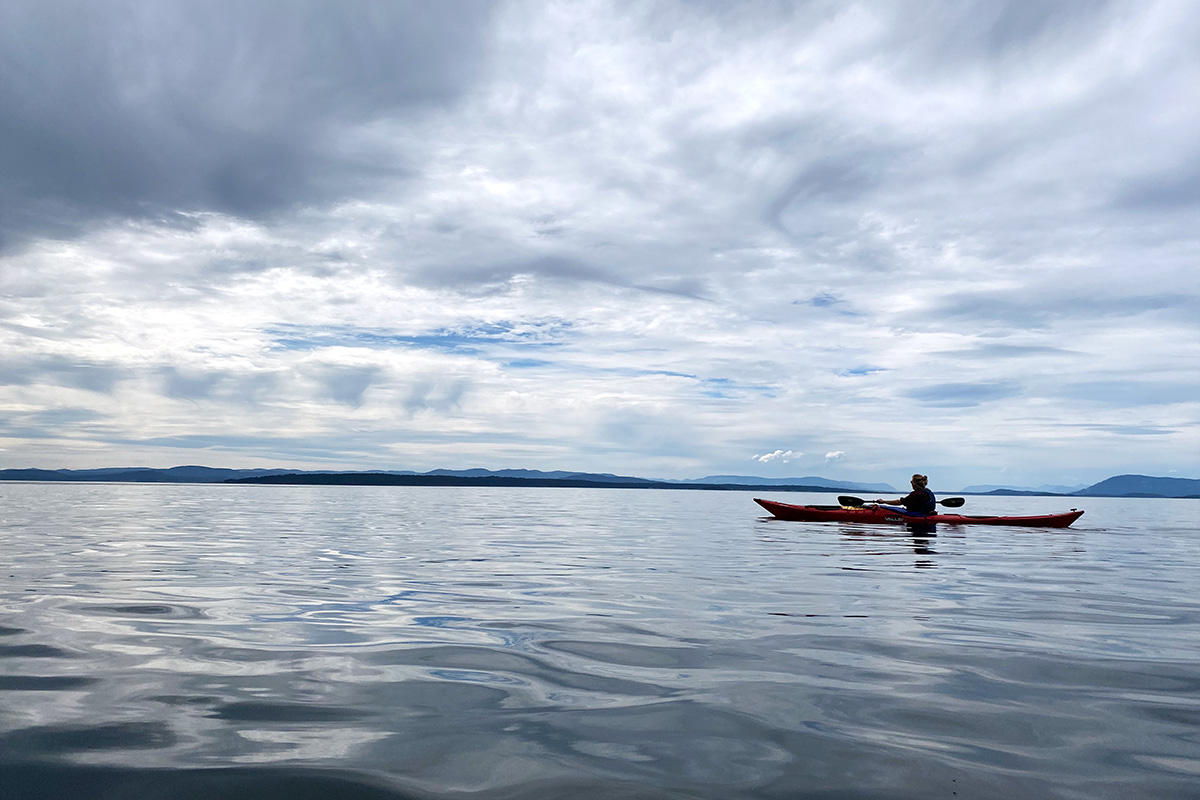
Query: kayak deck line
(880,516)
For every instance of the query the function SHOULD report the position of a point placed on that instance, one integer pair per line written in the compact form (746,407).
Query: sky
(665,239)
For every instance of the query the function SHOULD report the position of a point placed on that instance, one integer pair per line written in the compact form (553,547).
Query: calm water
(385,642)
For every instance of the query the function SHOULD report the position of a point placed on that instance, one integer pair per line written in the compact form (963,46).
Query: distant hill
(535,474)
(1118,486)
(1046,488)
(448,478)
(453,478)
(1142,486)
(442,477)
(185,474)
(824,483)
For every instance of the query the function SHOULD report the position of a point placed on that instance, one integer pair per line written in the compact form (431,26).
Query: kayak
(881,516)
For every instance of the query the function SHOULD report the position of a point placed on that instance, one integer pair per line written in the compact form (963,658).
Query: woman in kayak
(919,502)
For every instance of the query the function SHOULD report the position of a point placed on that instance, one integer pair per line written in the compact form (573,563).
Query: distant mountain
(190,474)
(197,474)
(824,483)
(1142,486)
(1046,488)
(514,477)
(534,474)
(34,475)
(448,478)
(488,478)
(1118,486)
(185,474)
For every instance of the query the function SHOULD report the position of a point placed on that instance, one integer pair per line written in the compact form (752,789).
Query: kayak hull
(879,516)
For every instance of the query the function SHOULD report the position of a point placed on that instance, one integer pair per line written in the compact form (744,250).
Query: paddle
(858,502)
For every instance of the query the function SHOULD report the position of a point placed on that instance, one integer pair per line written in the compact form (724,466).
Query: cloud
(1177,190)
(1131,430)
(435,395)
(834,455)
(829,182)
(146,108)
(190,385)
(1132,393)
(346,384)
(61,371)
(784,456)
(963,394)
(989,350)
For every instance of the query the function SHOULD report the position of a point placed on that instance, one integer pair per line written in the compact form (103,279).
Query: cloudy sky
(667,239)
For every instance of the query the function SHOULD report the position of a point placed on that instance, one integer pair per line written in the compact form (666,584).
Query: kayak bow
(880,516)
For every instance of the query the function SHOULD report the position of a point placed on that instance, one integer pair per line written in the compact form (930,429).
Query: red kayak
(881,516)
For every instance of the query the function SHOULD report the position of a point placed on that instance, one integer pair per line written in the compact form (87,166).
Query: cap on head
(920,480)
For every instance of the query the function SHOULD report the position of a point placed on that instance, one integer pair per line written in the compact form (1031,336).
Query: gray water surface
(385,642)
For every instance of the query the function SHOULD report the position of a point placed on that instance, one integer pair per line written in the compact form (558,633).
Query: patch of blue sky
(824,300)
(828,301)
(1132,430)
(526,363)
(667,372)
(724,388)
(720,388)
(469,339)
(710,387)
(854,372)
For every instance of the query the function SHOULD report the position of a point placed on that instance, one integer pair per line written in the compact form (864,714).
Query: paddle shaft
(856,502)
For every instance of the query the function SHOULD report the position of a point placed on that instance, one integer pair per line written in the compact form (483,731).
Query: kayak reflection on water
(921,529)
(922,532)
(920,536)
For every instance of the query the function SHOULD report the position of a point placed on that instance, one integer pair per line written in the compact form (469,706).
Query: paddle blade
(847,500)
(952,502)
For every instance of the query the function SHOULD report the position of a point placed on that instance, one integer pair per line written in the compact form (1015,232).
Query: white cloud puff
(784,456)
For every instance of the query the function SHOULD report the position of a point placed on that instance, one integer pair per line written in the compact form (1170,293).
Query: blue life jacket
(921,501)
